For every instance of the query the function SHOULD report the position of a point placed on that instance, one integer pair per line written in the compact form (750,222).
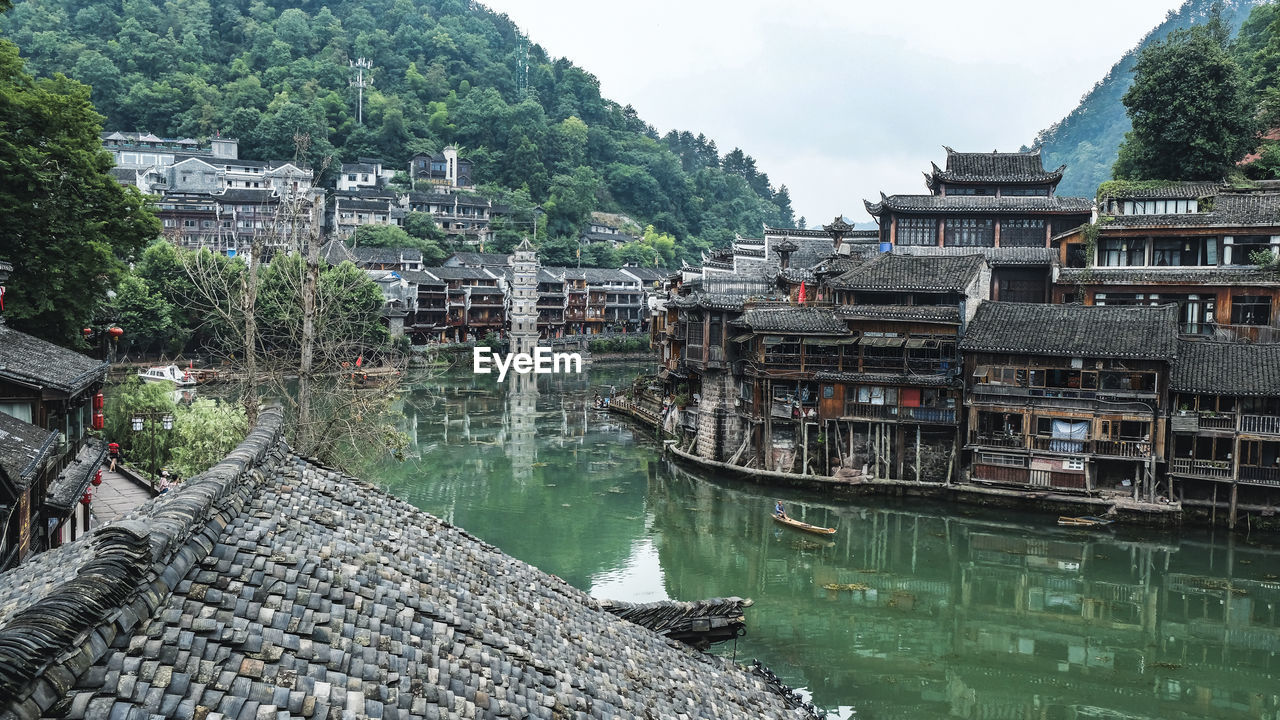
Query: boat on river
(784,520)
(167,373)
(1083,521)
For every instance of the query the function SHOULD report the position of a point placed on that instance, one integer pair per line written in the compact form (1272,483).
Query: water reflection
(913,611)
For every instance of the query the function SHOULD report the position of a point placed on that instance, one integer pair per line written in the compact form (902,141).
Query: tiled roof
(707,301)
(1219,368)
(28,360)
(359,167)
(249,196)
(420,278)
(74,479)
(270,586)
(995,256)
(23,447)
(995,167)
(1111,331)
(795,276)
(647,274)
(1232,209)
(930,313)
(336,252)
(459,273)
(1182,190)
(355,203)
(475,259)
(907,273)
(1208,275)
(606,275)
(984,204)
(792,319)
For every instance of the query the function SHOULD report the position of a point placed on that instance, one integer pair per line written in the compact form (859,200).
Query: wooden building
(1225,424)
(985,200)
(1193,244)
(1068,397)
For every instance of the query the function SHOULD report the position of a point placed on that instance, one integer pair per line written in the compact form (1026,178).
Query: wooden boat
(1082,521)
(803,526)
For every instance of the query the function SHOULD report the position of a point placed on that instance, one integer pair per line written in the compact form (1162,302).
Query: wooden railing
(998,440)
(1213,469)
(1122,448)
(1260,424)
(1260,475)
(894,412)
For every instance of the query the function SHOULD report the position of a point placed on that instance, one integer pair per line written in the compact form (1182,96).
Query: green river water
(914,610)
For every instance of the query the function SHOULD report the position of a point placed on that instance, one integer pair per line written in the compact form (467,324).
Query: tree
(65,221)
(145,316)
(390,236)
(203,434)
(1192,117)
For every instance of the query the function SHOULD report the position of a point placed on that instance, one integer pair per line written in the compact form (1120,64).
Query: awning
(772,340)
(982,371)
(921,343)
(883,341)
(827,341)
(742,338)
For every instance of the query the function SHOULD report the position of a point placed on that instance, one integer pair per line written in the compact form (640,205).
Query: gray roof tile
(890,272)
(1106,331)
(1220,368)
(792,319)
(28,360)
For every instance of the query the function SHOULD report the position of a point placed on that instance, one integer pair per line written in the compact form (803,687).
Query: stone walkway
(115,497)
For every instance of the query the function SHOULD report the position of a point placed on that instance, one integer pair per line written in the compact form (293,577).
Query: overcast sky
(840,100)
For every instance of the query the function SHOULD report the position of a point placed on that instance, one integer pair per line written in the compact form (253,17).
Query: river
(914,610)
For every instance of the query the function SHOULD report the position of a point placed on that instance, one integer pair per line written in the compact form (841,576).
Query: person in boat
(780,510)
(596,400)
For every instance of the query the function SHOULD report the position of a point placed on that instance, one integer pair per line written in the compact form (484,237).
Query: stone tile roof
(475,259)
(28,360)
(270,586)
(23,448)
(1231,209)
(996,167)
(1208,275)
(71,483)
(606,275)
(247,196)
(792,319)
(420,278)
(1181,190)
(795,276)
(995,256)
(1219,368)
(646,274)
(707,301)
(336,252)
(1106,331)
(930,313)
(985,204)
(356,203)
(906,273)
(459,273)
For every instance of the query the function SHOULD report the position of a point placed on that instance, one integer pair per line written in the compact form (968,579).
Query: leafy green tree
(203,433)
(1192,117)
(390,236)
(130,398)
(599,254)
(573,197)
(559,251)
(65,221)
(145,316)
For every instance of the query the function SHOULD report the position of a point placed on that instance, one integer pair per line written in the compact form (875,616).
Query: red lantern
(87,332)
(97,478)
(86,499)
(97,402)
(115,332)
(99,421)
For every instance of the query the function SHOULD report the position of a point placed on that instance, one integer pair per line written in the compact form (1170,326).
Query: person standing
(113,451)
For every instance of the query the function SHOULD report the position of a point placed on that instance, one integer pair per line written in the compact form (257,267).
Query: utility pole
(360,82)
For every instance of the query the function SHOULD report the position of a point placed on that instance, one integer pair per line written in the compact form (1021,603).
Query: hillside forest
(444,72)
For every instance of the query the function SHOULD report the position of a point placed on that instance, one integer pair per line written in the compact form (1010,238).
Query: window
(970,232)
(1025,191)
(1121,252)
(953,190)
(917,231)
(1250,310)
(1243,249)
(1022,233)
(1073,464)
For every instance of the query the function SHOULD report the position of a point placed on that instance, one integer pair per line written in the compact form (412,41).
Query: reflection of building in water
(521,424)
(934,616)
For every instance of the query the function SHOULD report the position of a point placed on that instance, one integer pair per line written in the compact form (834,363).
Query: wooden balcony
(1004,440)
(868,411)
(1209,469)
(1260,475)
(1260,424)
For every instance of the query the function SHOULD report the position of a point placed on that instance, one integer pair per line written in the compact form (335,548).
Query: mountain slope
(444,71)
(1087,139)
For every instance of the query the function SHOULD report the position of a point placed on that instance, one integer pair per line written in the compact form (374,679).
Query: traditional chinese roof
(995,256)
(272,586)
(360,167)
(600,276)
(359,203)
(707,301)
(792,319)
(1098,331)
(23,449)
(1219,368)
(929,313)
(28,360)
(1207,275)
(336,252)
(906,273)
(459,273)
(476,259)
(1181,190)
(420,278)
(71,483)
(983,204)
(647,274)
(247,196)
(795,276)
(1231,209)
(993,167)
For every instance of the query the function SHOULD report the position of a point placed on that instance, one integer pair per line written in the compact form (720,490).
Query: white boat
(167,373)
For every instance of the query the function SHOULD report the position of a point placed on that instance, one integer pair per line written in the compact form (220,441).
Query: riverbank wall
(1120,509)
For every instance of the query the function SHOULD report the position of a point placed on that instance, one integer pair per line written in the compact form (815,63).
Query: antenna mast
(360,82)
